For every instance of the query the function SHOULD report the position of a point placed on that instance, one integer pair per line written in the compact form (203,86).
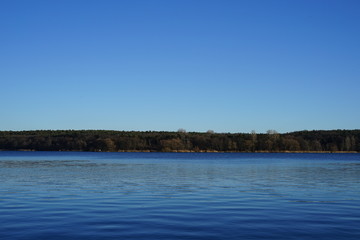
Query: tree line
(181,141)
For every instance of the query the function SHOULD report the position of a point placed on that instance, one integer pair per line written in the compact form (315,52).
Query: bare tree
(181,130)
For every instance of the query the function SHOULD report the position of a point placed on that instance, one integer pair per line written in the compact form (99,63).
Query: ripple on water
(228,196)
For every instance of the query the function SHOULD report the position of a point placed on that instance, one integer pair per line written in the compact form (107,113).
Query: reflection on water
(179,196)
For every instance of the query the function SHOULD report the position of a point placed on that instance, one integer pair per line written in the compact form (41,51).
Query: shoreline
(178,151)
(332,141)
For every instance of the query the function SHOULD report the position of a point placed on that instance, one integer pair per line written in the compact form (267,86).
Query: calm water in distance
(70,195)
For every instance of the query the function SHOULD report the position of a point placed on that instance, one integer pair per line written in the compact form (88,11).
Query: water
(55,195)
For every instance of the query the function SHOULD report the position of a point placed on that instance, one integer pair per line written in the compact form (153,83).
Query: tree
(272,140)
(181,130)
(253,140)
(174,144)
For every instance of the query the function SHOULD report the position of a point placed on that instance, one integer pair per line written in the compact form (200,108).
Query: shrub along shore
(319,141)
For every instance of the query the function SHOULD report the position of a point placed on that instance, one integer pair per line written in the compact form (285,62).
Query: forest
(180,141)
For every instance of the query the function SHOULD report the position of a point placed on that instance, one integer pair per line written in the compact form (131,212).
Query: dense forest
(181,141)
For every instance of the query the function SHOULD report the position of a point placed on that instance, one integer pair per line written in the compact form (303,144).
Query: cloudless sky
(229,66)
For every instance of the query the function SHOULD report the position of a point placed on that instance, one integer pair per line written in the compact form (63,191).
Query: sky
(228,66)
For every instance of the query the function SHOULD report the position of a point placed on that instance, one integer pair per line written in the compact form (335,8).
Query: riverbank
(184,151)
(333,141)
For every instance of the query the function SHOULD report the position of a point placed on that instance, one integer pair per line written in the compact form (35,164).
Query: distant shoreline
(321,141)
(175,151)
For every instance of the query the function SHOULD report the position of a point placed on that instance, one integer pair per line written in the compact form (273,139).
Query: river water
(78,195)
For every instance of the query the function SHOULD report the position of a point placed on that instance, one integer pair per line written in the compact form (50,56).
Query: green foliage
(103,140)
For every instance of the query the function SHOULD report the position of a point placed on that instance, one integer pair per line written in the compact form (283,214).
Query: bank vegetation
(180,141)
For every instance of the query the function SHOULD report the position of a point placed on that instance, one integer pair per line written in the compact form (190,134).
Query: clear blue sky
(229,66)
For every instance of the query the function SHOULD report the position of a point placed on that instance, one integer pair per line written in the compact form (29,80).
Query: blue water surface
(79,195)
